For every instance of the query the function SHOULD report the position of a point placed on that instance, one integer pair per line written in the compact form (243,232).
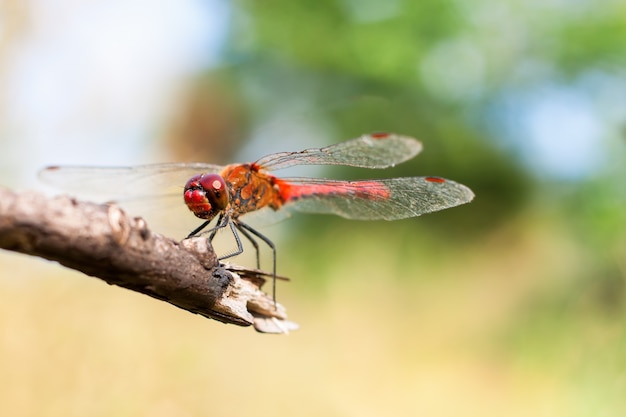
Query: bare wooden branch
(102,241)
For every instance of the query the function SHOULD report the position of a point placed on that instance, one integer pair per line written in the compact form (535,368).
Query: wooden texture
(102,241)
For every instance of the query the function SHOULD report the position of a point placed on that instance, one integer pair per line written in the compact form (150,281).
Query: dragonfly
(226,193)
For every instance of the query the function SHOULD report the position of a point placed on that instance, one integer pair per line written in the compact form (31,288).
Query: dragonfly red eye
(206,195)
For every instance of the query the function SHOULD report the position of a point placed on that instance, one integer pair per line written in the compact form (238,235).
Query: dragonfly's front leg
(223,221)
(198,229)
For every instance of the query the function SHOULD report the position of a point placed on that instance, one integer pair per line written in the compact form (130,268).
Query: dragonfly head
(206,195)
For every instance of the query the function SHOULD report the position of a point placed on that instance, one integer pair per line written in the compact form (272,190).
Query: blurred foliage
(212,121)
(437,70)
(511,305)
(430,69)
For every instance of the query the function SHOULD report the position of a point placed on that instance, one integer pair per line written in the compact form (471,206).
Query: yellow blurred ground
(440,341)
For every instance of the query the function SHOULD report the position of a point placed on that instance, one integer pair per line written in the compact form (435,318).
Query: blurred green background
(512,305)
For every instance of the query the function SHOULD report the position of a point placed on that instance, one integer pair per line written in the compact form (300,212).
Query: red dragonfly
(228,192)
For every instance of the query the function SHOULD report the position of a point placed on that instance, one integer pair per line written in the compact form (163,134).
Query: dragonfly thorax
(250,189)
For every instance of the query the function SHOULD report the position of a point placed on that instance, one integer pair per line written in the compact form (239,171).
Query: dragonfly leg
(254,243)
(222,221)
(198,229)
(239,249)
(249,233)
(242,226)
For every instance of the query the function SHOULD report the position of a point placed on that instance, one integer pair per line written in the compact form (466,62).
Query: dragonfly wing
(154,192)
(378,150)
(124,182)
(385,199)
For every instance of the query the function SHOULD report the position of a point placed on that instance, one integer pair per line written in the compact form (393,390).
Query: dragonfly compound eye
(206,195)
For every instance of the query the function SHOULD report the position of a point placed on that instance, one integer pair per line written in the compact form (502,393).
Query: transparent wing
(385,199)
(154,192)
(124,182)
(377,150)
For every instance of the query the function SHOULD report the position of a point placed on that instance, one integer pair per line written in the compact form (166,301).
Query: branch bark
(102,241)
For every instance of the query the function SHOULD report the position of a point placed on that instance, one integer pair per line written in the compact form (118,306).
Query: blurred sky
(94,82)
(90,82)
(565,132)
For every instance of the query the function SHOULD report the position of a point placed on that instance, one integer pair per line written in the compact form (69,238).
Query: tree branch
(102,241)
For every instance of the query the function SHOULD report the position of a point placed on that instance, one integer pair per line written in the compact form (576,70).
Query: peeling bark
(102,241)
